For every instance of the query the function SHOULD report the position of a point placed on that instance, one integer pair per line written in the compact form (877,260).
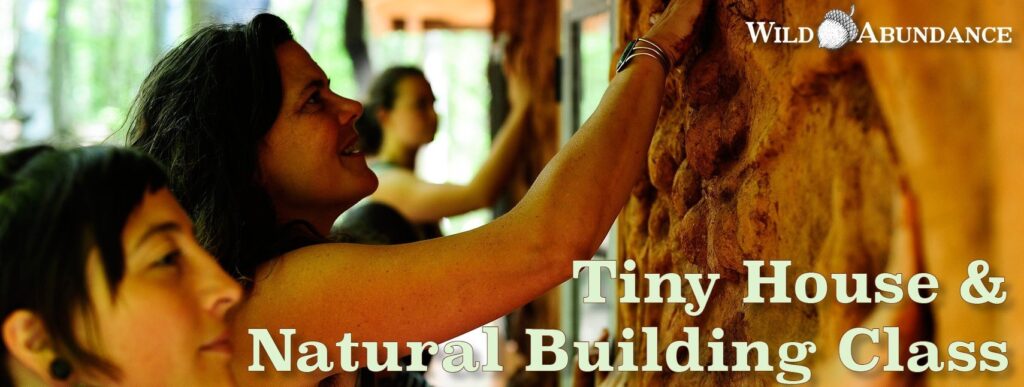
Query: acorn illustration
(837,29)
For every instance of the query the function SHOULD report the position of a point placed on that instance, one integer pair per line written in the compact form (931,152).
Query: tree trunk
(355,43)
(59,76)
(310,27)
(160,28)
(115,84)
(30,81)
(198,14)
(532,31)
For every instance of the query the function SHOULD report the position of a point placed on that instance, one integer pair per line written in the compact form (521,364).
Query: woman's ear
(382,116)
(29,344)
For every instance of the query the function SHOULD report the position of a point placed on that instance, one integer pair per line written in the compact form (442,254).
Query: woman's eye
(168,260)
(314,99)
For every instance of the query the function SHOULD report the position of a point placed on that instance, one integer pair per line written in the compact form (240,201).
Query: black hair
(382,95)
(203,111)
(56,206)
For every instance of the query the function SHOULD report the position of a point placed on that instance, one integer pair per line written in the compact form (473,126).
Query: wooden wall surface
(530,32)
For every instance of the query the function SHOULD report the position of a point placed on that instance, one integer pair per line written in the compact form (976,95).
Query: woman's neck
(321,219)
(398,154)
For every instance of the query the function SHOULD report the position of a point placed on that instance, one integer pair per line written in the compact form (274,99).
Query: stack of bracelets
(646,48)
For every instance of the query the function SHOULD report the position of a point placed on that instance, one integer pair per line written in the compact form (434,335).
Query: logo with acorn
(837,29)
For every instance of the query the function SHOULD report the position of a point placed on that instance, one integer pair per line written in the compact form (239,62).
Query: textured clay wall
(866,159)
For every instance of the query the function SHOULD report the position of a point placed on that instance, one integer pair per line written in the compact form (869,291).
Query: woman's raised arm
(437,289)
(422,201)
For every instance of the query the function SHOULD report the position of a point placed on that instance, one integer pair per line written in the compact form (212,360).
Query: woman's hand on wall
(674,28)
(519,93)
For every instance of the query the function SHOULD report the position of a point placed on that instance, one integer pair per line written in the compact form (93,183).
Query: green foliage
(112,47)
(6,49)
(322,34)
(110,44)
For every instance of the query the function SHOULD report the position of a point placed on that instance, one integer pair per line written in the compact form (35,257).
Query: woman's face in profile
(309,161)
(412,119)
(166,324)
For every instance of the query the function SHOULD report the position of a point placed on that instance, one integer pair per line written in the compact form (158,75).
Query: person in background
(397,121)
(101,279)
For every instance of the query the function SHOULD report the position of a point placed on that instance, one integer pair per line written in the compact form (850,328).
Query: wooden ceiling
(418,15)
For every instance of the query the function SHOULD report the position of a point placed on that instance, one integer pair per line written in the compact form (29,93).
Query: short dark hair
(382,95)
(203,111)
(55,207)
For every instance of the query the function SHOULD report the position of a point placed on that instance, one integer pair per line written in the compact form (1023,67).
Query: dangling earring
(60,369)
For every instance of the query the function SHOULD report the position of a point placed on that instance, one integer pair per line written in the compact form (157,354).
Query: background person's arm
(423,202)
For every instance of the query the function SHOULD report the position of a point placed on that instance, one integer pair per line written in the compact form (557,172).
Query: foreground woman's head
(101,280)
(252,137)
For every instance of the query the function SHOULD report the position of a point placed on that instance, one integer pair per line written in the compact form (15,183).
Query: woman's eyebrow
(157,229)
(314,84)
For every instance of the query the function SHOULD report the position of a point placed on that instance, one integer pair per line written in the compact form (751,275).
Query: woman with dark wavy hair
(264,157)
(101,280)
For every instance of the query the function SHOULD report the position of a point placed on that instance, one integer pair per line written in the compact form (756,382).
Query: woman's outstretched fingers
(674,28)
(519,92)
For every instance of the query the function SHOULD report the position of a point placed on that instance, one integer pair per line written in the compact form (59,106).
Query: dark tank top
(372,222)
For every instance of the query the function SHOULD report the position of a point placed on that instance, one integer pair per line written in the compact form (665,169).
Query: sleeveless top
(372,222)
(365,378)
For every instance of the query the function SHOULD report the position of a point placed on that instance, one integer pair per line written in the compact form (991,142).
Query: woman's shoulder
(374,223)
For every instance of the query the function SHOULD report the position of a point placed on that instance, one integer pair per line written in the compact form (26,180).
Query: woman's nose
(348,110)
(218,292)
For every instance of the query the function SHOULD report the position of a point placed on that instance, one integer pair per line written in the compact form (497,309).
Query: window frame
(576,11)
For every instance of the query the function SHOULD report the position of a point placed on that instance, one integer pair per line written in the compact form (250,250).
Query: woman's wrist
(658,43)
(518,108)
(652,64)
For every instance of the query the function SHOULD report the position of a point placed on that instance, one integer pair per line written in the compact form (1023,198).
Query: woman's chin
(369,186)
(362,183)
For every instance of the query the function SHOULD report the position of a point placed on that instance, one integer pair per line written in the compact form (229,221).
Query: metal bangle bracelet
(634,55)
(657,47)
(664,61)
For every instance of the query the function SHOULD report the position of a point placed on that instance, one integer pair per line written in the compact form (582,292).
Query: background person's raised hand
(519,93)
